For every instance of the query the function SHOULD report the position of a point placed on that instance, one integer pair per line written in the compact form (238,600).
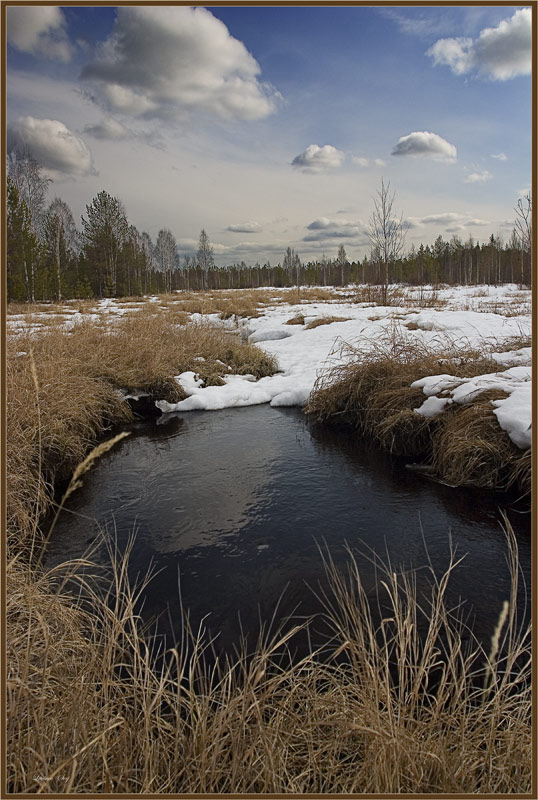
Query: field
(93,706)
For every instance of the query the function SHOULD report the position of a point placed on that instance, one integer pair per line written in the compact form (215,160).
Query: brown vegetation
(298,319)
(315,323)
(63,391)
(396,295)
(389,709)
(372,391)
(93,704)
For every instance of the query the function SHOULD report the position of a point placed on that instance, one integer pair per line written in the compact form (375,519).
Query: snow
(514,412)
(467,318)
(302,354)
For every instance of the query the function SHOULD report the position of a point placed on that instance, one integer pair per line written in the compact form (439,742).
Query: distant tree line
(49,258)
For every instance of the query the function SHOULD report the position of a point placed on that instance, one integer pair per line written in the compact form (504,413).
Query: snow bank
(514,412)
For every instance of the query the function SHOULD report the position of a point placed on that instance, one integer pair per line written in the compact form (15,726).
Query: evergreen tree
(22,247)
(104,234)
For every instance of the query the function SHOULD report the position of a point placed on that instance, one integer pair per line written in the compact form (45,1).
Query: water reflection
(235,502)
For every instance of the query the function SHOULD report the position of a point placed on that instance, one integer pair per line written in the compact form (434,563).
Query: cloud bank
(38,30)
(318,159)
(499,53)
(423,144)
(52,144)
(165,62)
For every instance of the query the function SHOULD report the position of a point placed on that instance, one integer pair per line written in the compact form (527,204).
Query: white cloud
(52,145)
(165,61)
(108,128)
(424,144)
(499,156)
(498,53)
(39,30)
(245,227)
(368,162)
(317,159)
(452,218)
(324,228)
(479,177)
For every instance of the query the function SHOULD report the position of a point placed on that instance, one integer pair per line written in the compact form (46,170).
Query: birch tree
(386,233)
(61,241)
(166,255)
(204,257)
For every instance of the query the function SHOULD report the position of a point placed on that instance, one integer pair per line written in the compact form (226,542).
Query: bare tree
(523,229)
(25,172)
(165,251)
(204,257)
(386,233)
(61,239)
(342,262)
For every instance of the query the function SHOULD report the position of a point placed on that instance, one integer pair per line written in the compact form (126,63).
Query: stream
(233,507)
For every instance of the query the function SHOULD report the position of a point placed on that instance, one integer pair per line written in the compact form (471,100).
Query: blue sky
(273,127)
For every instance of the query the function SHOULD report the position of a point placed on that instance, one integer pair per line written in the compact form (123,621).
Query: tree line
(49,258)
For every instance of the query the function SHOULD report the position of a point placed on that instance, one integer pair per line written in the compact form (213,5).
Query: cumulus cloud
(318,159)
(479,177)
(497,53)
(368,162)
(110,129)
(245,227)
(39,30)
(324,228)
(165,61)
(52,145)
(424,144)
(499,156)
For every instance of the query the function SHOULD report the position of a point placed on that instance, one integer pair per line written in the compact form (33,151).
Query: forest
(49,258)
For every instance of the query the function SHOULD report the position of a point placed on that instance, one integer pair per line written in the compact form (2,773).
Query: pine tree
(104,234)
(22,247)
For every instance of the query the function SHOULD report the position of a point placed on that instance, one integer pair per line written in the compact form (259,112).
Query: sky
(273,127)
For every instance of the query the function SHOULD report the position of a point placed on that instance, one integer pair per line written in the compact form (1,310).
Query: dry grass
(372,391)
(397,704)
(469,447)
(95,706)
(398,296)
(315,323)
(298,319)
(62,394)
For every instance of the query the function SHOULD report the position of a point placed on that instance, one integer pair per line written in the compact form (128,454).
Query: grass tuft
(372,390)
(315,323)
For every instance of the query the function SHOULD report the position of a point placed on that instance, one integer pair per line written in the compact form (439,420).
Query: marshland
(268,406)
(244,556)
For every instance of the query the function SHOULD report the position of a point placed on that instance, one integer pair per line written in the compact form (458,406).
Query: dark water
(232,503)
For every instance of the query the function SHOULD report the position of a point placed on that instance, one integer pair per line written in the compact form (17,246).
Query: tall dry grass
(396,703)
(371,390)
(62,393)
